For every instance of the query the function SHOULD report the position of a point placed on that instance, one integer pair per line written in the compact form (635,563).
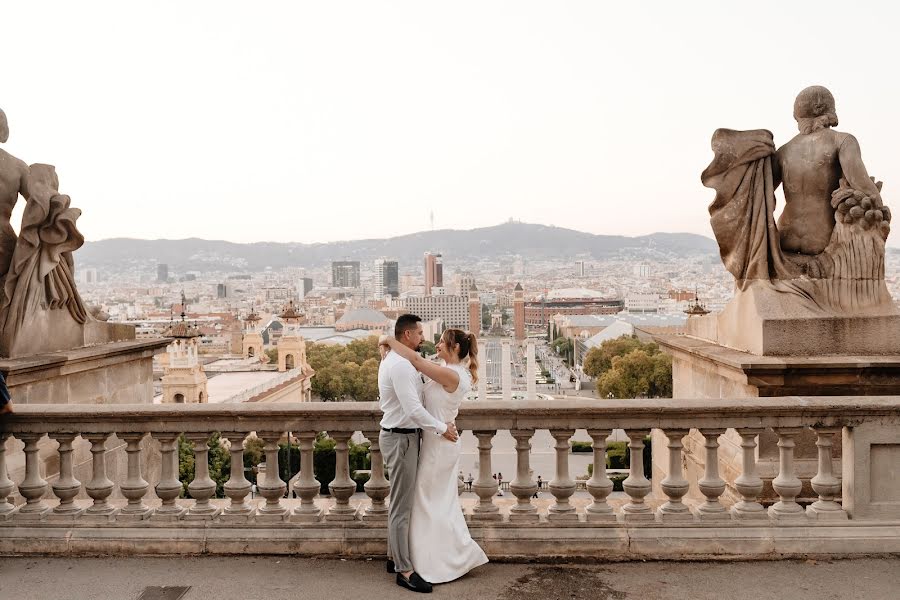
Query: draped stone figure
(824,259)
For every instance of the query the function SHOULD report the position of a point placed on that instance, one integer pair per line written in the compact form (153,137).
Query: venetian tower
(519,312)
(183,381)
(291,346)
(474,311)
(252,341)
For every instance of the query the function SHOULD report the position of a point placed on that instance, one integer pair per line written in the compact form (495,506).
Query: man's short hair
(405,323)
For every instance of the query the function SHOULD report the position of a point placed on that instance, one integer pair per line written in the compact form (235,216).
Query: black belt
(400,430)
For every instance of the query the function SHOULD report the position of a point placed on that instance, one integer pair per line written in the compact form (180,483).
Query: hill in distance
(533,242)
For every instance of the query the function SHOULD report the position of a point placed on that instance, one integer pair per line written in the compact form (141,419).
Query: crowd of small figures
(855,207)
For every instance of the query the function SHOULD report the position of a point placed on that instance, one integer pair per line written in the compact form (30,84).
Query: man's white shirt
(400,390)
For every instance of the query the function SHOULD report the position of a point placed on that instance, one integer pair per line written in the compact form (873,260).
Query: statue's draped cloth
(742,214)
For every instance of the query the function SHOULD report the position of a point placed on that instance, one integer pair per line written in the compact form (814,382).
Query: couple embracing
(428,539)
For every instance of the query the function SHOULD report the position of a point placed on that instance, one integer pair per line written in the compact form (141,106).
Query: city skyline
(590,116)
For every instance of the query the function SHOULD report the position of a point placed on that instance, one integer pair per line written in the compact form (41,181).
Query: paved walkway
(271,578)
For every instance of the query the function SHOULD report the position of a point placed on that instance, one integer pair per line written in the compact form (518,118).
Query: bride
(442,549)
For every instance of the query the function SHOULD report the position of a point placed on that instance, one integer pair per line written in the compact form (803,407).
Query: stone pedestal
(705,369)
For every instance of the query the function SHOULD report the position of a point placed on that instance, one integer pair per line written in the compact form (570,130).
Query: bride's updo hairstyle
(468,348)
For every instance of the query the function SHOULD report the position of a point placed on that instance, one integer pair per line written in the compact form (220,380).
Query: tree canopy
(345,372)
(628,368)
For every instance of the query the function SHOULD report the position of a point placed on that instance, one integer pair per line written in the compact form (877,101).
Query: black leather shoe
(390,567)
(415,583)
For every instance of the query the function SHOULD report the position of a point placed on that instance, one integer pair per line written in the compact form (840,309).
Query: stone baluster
(202,488)
(169,487)
(100,486)
(825,484)
(711,484)
(485,486)
(675,486)
(306,486)
(562,486)
(506,370)
(7,487)
(237,487)
(33,487)
(135,487)
(748,483)
(599,485)
(523,486)
(377,487)
(343,486)
(787,485)
(66,487)
(637,486)
(271,487)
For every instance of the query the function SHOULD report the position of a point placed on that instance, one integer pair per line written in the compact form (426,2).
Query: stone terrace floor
(268,578)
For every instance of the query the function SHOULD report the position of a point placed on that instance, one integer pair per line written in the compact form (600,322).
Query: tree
(599,360)
(348,372)
(272,353)
(427,348)
(638,373)
(219,460)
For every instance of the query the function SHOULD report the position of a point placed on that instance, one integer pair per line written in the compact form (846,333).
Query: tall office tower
(345,273)
(304,286)
(222,291)
(519,311)
(579,268)
(434,271)
(162,272)
(474,309)
(387,278)
(465,283)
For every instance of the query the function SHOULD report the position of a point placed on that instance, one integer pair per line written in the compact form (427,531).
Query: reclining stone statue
(825,256)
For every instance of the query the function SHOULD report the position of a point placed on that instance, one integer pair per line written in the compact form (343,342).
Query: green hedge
(582,447)
(323,461)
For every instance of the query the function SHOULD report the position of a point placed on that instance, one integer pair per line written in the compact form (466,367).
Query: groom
(400,389)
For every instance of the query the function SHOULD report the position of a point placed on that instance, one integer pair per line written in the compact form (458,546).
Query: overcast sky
(318,121)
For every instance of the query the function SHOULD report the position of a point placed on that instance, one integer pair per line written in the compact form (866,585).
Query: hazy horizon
(315,122)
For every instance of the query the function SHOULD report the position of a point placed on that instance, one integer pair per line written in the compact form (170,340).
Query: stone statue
(828,246)
(40,308)
(825,256)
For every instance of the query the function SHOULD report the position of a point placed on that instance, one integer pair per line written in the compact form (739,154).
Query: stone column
(169,487)
(485,486)
(482,372)
(66,487)
(134,487)
(100,486)
(33,487)
(530,372)
(748,483)
(825,484)
(506,370)
(562,486)
(377,487)
(523,486)
(599,485)
(237,487)
(675,485)
(271,487)
(202,488)
(637,486)
(343,486)
(787,485)
(307,487)
(712,485)
(7,487)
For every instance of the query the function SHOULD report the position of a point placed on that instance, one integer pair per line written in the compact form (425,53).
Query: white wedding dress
(442,549)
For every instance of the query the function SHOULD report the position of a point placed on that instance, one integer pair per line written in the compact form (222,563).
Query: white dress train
(442,549)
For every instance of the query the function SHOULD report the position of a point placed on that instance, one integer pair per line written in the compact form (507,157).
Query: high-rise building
(579,268)
(465,283)
(519,311)
(434,271)
(304,286)
(474,309)
(162,272)
(345,273)
(453,310)
(387,278)
(223,291)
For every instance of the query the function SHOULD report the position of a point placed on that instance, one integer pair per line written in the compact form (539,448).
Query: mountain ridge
(532,241)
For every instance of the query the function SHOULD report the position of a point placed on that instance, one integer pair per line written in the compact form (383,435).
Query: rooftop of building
(639,319)
(573,293)
(364,315)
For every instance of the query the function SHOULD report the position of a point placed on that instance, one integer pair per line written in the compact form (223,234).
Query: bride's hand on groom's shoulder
(383,340)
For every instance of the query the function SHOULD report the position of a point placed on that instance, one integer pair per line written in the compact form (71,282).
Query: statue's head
(4,127)
(814,109)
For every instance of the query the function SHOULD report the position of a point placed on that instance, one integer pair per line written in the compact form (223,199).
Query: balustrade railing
(137,424)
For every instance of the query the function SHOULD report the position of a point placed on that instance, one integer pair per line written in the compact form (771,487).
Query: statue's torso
(810,171)
(12,175)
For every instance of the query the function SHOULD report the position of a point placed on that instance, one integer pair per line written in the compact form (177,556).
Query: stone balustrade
(860,514)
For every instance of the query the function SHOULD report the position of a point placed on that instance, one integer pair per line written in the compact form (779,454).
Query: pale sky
(318,121)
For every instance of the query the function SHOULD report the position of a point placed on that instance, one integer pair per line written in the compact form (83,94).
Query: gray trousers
(401,454)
